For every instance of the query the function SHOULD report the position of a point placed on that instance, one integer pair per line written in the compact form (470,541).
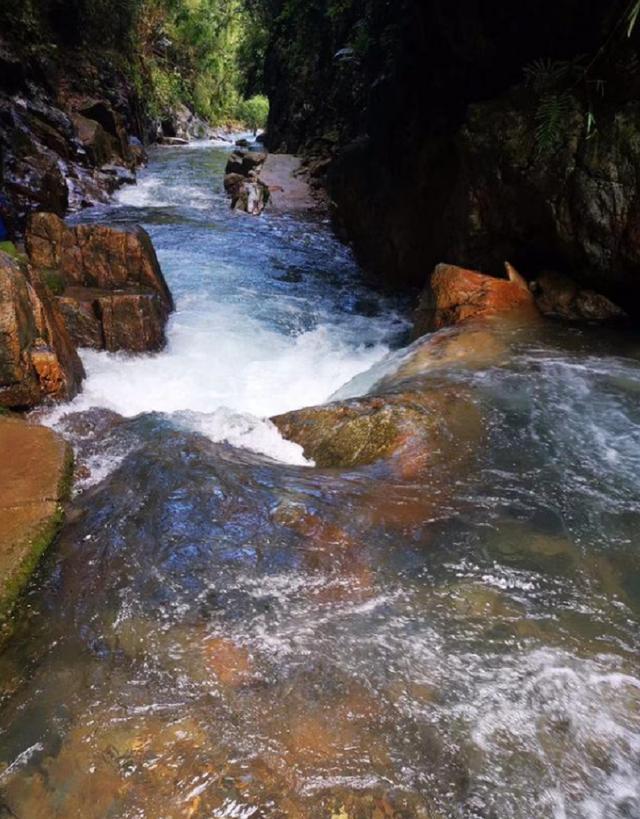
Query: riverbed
(224,630)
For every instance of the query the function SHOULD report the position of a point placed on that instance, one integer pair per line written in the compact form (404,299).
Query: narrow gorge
(319,420)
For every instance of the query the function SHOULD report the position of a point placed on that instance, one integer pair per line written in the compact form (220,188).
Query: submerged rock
(108,282)
(419,425)
(173,141)
(35,469)
(37,358)
(455,295)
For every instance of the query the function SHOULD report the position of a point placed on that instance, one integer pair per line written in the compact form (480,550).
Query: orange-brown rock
(456,295)
(37,358)
(111,290)
(420,426)
(35,466)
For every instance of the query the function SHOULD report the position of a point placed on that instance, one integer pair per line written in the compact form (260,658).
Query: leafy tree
(254,112)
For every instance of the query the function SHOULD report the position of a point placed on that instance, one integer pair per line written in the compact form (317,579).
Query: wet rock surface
(108,282)
(415,427)
(35,466)
(38,361)
(59,142)
(454,296)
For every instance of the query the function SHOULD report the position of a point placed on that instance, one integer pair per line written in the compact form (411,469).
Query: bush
(254,112)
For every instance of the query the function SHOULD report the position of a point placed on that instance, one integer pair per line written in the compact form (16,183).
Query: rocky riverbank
(73,130)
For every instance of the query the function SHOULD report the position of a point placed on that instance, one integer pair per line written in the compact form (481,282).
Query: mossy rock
(411,426)
(10,249)
(36,468)
(54,281)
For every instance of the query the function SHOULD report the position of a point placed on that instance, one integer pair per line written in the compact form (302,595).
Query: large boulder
(35,472)
(181,123)
(38,361)
(108,282)
(94,139)
(414,426)
(455,295)
(244,162)
(112,123)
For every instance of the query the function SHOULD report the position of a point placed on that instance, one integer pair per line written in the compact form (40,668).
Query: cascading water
(269,312)
(224,634)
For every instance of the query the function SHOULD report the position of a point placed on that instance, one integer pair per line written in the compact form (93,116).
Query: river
(223,630)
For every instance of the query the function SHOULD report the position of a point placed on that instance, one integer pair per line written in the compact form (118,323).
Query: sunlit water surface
(223,631)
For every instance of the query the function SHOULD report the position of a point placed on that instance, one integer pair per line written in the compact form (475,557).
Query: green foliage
(207,54)
(553,118)
(10,249)
(554,84)
(254,112)
(632,17)
(543,74)
(200,52)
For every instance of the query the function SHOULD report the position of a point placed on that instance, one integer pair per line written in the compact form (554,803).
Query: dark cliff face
(65,126)
(439,149)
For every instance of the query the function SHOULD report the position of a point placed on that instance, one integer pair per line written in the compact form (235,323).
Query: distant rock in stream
(241,181)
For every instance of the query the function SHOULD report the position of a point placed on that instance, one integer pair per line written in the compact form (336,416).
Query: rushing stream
(223,631)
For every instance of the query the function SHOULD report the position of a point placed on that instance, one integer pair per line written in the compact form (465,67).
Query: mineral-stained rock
(364,430)
(113,294)
(455,295)
(37,358)
(35,466)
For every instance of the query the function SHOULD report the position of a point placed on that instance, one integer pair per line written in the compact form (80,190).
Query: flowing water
(225,631)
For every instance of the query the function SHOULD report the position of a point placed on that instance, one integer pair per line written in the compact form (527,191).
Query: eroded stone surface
(113,294)
(37,358)
(35,466)
(455,295)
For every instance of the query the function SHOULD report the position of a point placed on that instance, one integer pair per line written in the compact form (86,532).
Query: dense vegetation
(203,53)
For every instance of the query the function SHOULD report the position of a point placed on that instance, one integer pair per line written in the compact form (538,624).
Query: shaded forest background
(207,54)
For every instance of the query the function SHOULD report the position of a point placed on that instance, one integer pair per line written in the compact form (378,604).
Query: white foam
(227,369)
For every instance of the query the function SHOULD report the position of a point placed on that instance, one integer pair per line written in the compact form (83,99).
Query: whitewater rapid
(263,325)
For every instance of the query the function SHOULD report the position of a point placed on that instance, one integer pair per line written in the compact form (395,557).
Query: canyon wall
(468,132)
